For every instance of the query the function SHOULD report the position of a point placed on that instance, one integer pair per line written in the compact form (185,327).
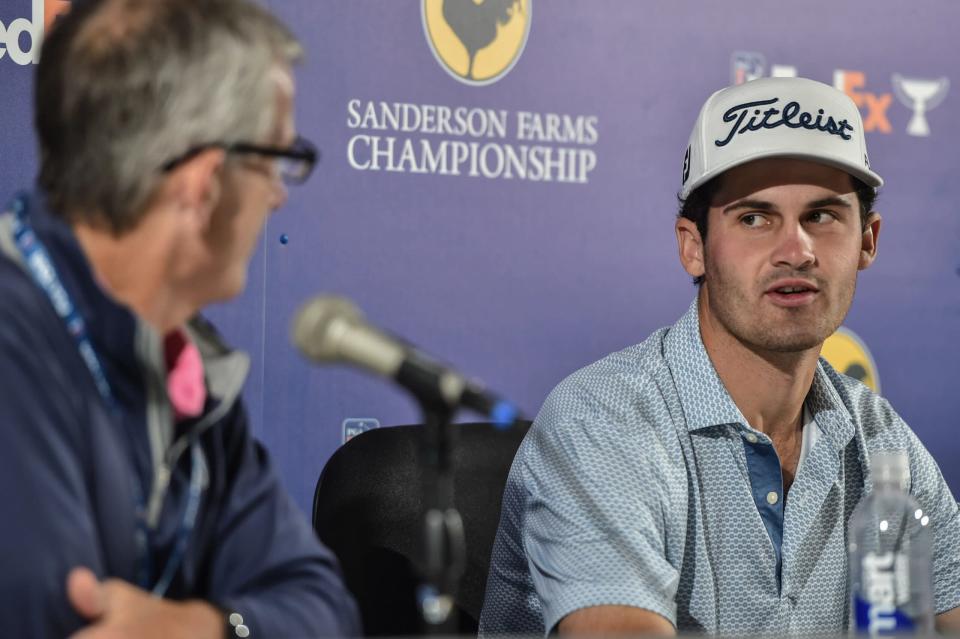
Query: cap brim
(867,176)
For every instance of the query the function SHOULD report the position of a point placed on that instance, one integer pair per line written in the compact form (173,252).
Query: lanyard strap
(45,276)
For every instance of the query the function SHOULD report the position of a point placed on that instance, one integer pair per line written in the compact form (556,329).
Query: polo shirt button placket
(788,606)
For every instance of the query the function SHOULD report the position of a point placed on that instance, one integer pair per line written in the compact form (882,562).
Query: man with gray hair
(139,503)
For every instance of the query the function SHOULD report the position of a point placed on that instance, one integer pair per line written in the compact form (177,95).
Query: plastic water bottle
(889,542)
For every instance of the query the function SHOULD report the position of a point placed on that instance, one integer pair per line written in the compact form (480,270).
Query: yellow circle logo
(849,355)
(476,41)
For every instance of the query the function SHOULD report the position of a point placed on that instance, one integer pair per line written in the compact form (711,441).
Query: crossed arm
(949,622)
(116,608)
(615,620)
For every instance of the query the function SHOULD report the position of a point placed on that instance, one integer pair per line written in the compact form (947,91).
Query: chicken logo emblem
(847,353)
(476,41)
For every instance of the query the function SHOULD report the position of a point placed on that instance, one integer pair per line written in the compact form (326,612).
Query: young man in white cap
(702,480)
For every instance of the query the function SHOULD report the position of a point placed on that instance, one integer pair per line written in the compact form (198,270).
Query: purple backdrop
(521,281)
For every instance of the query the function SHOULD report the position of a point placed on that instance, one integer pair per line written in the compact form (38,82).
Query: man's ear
(690,245)
(868,241)
(198,186)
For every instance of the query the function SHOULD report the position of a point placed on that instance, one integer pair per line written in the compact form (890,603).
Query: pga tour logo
(21,38)
(353,426)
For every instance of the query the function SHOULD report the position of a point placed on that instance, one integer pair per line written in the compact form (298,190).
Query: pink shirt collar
(186,387)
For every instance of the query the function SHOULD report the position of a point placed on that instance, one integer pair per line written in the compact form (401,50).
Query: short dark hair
(125,85)
(696,205)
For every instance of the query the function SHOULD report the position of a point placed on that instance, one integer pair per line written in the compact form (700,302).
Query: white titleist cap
(776,117)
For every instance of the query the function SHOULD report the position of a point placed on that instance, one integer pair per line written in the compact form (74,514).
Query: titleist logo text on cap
(791,116)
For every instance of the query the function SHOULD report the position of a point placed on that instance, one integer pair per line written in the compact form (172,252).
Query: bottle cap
(890,467)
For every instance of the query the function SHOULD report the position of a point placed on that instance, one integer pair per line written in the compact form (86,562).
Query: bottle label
(885,586)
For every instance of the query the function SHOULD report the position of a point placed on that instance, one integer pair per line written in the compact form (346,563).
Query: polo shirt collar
(706,402)
(703,396)
(829,408)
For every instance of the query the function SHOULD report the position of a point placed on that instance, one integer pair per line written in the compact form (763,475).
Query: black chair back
(368,508)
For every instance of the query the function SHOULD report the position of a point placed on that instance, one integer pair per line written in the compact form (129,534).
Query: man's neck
(768,387)
(133,269)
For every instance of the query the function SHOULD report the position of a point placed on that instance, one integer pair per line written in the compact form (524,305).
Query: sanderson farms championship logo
(476,41)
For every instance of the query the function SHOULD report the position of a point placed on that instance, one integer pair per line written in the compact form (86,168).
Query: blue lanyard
(45,276)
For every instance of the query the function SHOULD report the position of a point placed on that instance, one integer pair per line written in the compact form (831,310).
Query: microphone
(332,329)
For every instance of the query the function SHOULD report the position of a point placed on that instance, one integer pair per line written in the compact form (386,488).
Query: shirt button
(750,437)
(772,497)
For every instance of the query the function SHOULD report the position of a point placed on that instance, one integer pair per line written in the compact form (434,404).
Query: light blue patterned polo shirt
(638,486)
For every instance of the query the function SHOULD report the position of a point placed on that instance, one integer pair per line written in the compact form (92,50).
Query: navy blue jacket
(69,467)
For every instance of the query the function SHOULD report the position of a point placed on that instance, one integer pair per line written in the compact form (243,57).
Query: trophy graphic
(921,95)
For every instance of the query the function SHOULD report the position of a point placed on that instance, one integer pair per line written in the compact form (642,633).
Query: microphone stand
(444,546)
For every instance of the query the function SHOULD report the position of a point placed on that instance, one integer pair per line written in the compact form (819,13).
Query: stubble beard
(763,327)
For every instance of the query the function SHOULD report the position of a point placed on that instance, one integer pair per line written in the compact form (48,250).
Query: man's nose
(280,194)
(794,248)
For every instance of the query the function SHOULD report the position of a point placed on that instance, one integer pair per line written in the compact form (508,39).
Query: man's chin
(781,341)
(793,330)
(231,286)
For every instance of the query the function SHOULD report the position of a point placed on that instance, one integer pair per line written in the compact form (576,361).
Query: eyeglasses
(294,163)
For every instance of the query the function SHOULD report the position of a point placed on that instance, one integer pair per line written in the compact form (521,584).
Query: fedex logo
(853,84)
(21,38)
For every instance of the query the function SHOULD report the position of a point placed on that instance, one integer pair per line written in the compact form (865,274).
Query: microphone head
(319,326)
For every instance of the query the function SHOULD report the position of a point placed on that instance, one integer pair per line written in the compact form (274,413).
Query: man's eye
(753,220)
(822,217)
